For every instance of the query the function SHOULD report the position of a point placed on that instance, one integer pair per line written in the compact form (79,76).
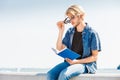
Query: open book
(67,53)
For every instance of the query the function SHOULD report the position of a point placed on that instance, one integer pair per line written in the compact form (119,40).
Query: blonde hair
(75,10)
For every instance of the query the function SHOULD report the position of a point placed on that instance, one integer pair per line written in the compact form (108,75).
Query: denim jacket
(91,42)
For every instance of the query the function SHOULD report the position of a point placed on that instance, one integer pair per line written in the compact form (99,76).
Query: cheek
(73,22)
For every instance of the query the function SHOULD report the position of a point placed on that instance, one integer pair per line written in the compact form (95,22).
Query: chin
(74,25)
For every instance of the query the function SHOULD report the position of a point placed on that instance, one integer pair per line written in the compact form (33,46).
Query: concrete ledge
(100,75)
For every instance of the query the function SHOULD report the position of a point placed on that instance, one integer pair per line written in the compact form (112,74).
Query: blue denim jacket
(91,42)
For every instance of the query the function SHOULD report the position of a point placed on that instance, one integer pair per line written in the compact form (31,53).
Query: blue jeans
(65,71)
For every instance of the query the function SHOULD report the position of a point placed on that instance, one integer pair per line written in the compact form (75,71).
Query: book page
(61,50)
(57,51)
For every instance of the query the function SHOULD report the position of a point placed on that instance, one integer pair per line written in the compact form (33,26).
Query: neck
(80,26)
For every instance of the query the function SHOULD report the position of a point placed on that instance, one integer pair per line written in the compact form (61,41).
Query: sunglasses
(67,20)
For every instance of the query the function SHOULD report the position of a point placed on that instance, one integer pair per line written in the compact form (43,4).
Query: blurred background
(28,31)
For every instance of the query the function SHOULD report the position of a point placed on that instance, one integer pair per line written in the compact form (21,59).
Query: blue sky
(28,30)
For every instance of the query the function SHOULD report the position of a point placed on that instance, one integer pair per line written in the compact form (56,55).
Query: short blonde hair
(75,10)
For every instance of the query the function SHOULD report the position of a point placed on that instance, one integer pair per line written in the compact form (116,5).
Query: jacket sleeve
(95,42)
(65,40)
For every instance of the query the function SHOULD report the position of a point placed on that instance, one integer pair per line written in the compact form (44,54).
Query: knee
(51,75)
(48,73)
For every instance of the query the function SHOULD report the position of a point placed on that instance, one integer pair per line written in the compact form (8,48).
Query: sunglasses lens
(67,20)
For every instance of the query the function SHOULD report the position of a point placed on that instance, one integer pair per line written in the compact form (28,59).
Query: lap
(66,68)
(74,69)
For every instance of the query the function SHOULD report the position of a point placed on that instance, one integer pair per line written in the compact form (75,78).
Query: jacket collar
(86,28)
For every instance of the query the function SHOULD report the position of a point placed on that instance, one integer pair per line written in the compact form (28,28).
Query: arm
(92,58)
(59,44)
